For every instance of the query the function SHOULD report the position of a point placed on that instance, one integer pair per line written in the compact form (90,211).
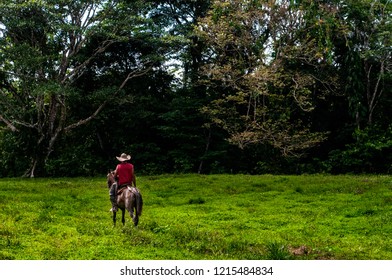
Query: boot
(113,200)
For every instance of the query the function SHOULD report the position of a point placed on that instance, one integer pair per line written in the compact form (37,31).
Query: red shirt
(124,172)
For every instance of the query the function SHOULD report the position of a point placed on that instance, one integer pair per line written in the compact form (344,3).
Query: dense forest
(230,86)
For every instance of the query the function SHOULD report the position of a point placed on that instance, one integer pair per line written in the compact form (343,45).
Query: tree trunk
(30,173)
(208,141)
(374,89)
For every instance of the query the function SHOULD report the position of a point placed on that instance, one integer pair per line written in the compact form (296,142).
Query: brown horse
(128,198)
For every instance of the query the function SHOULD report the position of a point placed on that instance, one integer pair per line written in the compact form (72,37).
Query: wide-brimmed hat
(123,157)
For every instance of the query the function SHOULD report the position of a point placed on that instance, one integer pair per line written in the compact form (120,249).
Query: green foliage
(367,49)
(262,96)
(371,152)
(48,48)
(289,82)
(13,151)
(277,251)
(200,218)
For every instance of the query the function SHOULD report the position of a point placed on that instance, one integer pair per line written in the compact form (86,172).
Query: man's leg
(113,197)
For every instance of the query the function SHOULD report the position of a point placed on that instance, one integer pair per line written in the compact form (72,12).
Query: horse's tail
(139,203)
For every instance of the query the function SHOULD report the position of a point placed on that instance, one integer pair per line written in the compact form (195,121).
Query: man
(124,175)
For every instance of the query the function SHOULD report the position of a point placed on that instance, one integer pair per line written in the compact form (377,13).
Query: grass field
(195,217)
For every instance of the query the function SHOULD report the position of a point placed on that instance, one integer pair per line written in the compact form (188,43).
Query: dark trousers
(113,196)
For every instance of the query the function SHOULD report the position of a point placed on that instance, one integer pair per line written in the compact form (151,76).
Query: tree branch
(130,76)
(78,71)
(8,124)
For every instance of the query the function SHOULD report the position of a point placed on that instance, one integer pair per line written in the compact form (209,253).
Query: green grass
(200,217)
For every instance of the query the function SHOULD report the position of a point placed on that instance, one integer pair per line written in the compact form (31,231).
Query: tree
(363,57)
(42,55)
(269,63)
(368,56)
(189,142)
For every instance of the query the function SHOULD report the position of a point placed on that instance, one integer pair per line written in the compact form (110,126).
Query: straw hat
(123,157)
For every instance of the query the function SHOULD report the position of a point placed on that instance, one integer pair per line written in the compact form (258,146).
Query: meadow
(200,217)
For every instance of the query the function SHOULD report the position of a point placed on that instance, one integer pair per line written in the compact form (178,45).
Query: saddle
(126,186)
(121,189)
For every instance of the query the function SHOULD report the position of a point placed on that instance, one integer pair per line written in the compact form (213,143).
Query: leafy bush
(371,152)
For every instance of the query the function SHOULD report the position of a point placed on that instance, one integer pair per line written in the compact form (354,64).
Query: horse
(128,198)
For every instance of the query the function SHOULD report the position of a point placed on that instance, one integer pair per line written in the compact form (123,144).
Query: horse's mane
(110,178)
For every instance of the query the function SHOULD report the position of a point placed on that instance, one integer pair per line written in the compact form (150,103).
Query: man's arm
(115,174)
(133,177)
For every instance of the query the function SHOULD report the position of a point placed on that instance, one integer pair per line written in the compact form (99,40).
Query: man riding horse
(125,176)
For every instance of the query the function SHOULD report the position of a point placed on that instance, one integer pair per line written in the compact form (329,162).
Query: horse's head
(110,178)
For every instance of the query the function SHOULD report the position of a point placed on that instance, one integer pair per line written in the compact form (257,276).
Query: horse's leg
(131,213)
(114,218)
(134,215)
(123,216)
(136,218)
(130,210)
(128,203)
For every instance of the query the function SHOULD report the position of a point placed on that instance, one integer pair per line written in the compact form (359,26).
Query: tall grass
(200,217)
